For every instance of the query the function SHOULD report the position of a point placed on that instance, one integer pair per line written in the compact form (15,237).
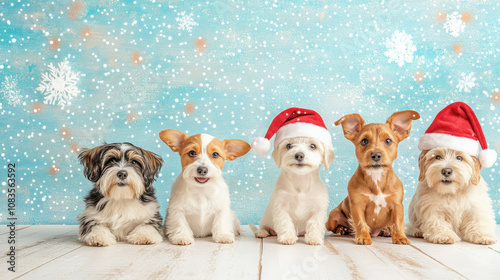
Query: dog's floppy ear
(328,156)
(235,148)
(277,155)
(351,124)
(422,166)
(153,164)
(91,161)
(400,123)
(476,172)
(173,138)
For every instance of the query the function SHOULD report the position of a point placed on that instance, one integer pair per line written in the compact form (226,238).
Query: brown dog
(375,201)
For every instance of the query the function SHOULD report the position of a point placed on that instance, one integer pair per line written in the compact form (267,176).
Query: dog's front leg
(223,227)
(177,228)
(361,228)
(144,234)
(98,236)
(284,227)
(315,229)
(479,225)
(398,225)
(436,230)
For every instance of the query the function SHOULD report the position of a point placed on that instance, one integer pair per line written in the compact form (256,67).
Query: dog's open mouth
(446,181)
(121,184)
(201,180)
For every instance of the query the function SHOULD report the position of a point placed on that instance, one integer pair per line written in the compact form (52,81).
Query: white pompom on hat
(293,122)
(457,127)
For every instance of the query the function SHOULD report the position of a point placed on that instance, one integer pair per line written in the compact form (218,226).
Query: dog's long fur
(299,200)
(120,209)
(446,209)
(375,202)
(199,209)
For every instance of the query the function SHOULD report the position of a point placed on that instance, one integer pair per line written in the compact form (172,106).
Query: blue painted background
(227,68)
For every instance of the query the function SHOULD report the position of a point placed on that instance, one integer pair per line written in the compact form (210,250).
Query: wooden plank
(4,229)
(470,260)
(374,261)
(303,261)
(36,245)
(202,260)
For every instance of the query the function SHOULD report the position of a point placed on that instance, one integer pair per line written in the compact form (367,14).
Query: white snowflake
(59,84)
(10,91)
(186,22)
(454,24)
(467,82)
(400,48)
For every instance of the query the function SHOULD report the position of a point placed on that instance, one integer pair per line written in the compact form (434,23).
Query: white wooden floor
(53,252)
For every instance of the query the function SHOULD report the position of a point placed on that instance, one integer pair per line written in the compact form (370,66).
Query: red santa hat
(293,122)
(456,127)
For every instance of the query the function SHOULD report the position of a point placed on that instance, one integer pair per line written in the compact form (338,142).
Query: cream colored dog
(299,201)
(451,202)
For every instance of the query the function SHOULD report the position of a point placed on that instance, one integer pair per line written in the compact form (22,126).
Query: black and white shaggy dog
(122,205)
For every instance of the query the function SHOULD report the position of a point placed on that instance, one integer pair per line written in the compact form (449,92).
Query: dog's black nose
(377,156)
(299,156)
(122,175)
(202,170)
(447,172)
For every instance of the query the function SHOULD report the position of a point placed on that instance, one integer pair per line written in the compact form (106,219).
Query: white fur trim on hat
(487,157)
(430,141)
(303,130)
(261,146)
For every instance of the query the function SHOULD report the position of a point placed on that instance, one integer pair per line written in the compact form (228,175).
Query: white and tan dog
(299,202)
(199,203)
(451,202)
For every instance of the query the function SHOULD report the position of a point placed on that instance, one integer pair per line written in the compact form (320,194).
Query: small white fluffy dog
(299,202)
(199,203)
(451,202)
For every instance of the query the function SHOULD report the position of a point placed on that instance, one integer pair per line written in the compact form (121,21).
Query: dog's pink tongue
(200,179)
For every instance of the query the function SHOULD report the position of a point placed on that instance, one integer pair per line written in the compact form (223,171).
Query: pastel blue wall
(227,68)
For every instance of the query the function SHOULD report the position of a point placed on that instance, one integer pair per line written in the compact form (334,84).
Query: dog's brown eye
(388,141)
(313,146)
(364,142)
(288,146)
(215,155)
(438,157)
(191,153)
(459,158)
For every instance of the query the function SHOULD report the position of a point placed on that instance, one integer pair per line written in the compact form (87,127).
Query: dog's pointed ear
(422,166)
(235,148)
(476,172)
(173,138)
(277,155)
(351,124)
(91,161)
(153,166)
(400,123)
(328,156)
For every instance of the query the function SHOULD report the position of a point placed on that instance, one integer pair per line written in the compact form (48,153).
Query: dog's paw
(262,233)
(342,230)
(314,239)
(363,239)
(442,238)
(483,239)
(227,238)
(181,240)
(385,232)
(144,235)
(288,238)
(99,237)
(400,240)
